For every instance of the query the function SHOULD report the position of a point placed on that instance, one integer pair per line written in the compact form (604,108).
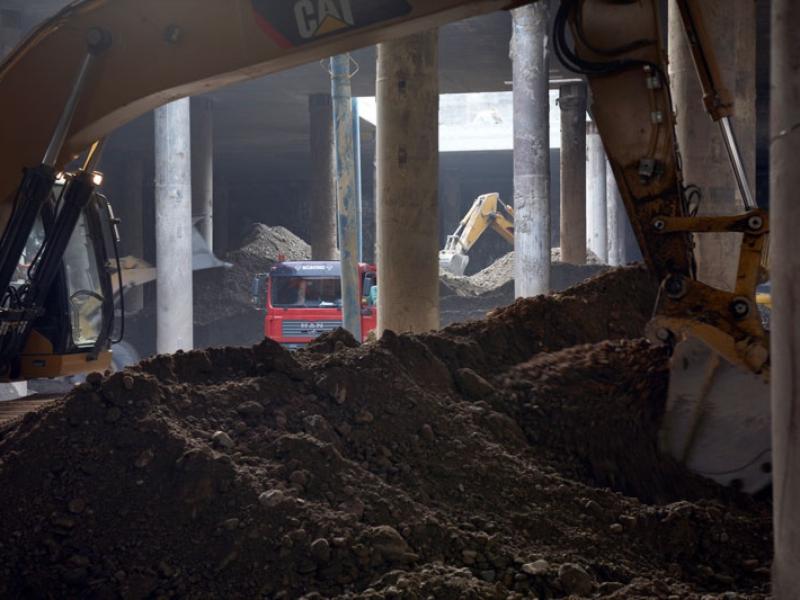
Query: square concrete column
(322,215)
(703,153)
(785,268)
(572,102)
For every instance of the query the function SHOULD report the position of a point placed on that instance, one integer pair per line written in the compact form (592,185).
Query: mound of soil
(469,298)
(507,458)
(224,293)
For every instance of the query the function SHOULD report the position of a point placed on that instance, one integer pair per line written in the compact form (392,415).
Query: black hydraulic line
(31,300)
(32,194)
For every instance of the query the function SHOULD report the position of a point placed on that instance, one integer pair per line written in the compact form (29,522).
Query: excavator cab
(63,328)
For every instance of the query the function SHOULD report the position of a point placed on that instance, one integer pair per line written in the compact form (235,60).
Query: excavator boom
(717,414)
(161,51)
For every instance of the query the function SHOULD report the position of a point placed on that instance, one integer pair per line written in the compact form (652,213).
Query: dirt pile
(469,298)
(470,463)
(224,293)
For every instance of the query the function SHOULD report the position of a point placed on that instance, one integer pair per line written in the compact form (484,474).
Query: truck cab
(303,300)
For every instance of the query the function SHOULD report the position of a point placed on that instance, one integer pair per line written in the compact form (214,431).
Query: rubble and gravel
(222,293)
(472,297)
(512,457)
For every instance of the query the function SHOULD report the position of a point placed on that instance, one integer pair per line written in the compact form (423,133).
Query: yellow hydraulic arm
(488,211)
(718,410)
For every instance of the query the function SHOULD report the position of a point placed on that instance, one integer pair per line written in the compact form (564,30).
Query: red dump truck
(303,300)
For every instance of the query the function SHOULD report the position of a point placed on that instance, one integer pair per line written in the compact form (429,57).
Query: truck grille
(308,329)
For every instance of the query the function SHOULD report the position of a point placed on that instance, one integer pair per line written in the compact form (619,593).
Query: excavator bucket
(453,262)
(717,418)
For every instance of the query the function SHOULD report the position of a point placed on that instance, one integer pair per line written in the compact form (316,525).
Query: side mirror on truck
(258,291)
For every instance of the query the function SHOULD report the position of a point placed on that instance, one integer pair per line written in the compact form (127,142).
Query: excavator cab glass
(85,292)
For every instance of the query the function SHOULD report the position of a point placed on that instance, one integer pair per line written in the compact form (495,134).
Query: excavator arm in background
(717,413)
(488,211)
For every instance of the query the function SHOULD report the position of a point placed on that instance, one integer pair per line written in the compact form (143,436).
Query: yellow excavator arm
(717,419)
(488,211)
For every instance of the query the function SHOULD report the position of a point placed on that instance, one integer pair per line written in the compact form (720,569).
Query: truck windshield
(306,292)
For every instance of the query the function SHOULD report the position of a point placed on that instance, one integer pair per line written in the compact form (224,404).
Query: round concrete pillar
(530,60)
(596,207)
(407,182)
(173,187)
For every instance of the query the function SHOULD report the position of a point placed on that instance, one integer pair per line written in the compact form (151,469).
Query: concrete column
(348,209)
(572,102)
(323,191)
(617,220)
(450,207)
(133,222)
(529,54)
(203,167)
(407,183)
(705,160)
(596,207)
(358,178)
(785,268)
(173,177)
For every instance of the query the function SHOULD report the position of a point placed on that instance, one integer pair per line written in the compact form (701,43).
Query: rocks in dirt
(224,293)
(467,298)
(222,440)
(250,409)
(272,498)
(472,385)
(575,580)
(536,568)
(389,543)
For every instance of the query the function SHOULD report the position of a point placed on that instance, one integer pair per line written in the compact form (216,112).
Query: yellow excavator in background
(105,63)
(488,211)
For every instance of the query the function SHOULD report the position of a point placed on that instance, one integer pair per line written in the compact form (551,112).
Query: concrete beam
(173,187)
(572,102)
(408,173)
(529,54)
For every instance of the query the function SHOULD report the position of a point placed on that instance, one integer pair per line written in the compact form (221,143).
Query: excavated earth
(468,298)
(512,457)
